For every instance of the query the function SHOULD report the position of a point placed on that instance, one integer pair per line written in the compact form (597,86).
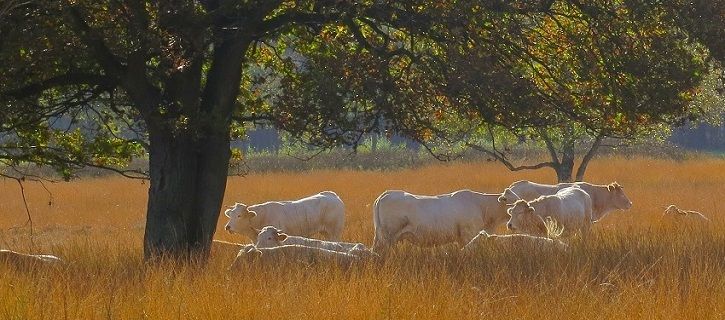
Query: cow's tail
(380,240)
(336,212)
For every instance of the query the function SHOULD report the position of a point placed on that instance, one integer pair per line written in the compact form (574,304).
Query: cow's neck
(599,211)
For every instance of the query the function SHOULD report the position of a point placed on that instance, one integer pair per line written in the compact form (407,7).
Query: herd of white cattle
(536,213)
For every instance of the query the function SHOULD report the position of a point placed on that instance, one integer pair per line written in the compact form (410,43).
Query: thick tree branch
(67,79)
(588,157)
(549,146)
(223,79)
(131,77)
(110,63)
(287,19)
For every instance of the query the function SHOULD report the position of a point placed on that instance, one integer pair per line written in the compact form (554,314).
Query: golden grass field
(637,264)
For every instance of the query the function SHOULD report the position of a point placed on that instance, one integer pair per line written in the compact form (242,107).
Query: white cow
(271,237)
(24,260)
(570,207)
(224,247)
(321,213)
(605,198)
(514,240)
(434,220)
(291,253)
(674,211)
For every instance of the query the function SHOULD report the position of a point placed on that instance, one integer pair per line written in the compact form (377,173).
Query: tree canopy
(101,82)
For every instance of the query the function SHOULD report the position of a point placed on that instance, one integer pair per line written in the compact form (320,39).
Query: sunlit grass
(637,264)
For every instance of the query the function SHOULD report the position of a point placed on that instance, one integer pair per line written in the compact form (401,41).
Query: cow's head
(248,254)
(240,220)
(617,196)
(674,210)
(270,237)
(508,196)
(524,219)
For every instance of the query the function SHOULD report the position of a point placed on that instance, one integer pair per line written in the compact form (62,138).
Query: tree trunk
(188,174)
(374,143)
(564,172)
(566,166)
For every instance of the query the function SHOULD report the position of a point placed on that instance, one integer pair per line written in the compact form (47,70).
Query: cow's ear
(249,214)
(233,208)
(281,236)
(254,254)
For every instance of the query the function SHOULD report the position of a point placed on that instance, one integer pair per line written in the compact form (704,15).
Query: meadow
(637,264)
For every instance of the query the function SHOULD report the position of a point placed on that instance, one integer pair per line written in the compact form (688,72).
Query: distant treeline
(702,138)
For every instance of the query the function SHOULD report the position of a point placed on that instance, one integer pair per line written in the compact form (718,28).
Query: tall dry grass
(637,264)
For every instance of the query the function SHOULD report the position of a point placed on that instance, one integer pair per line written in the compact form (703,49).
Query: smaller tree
(602,75)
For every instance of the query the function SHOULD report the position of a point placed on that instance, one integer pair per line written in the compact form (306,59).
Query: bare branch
(549,146)
(508,163)
(25,204)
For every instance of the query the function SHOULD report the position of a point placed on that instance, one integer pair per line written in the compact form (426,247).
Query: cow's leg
(335,232)
(380,246)
(465,234)
(384,241)
(332,223)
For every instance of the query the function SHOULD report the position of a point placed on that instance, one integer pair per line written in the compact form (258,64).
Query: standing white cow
(320,213)
(570,207)
(605,198)
(271,237)
(434,220)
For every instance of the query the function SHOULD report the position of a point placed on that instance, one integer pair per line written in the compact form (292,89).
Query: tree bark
(188,174)
(189,166)
(566,167)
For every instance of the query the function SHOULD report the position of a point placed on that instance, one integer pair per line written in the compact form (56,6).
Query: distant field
(637,264)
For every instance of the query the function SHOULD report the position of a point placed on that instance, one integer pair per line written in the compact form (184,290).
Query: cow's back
(570,207)
(529,190)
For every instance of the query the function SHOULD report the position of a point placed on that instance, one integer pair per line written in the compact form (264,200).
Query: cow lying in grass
(272,237)
(673,210)
(292,253)
(26,261)
(513,241)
